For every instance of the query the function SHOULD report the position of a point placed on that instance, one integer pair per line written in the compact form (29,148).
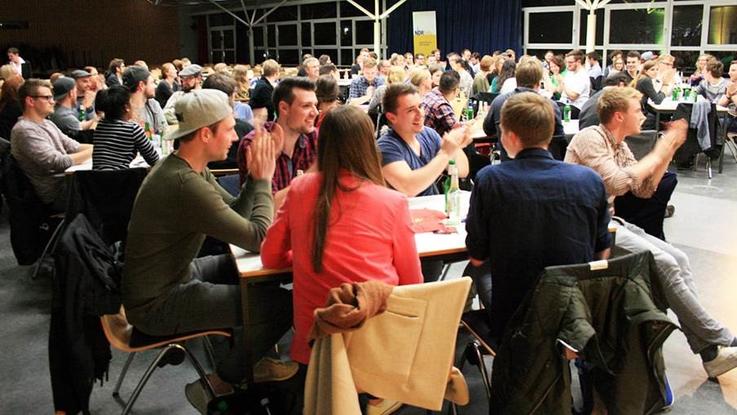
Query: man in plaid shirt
(296,104)
(363,87)
(439,113)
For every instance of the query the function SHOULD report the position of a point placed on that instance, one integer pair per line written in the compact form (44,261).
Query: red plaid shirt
(305,153)
(439,114)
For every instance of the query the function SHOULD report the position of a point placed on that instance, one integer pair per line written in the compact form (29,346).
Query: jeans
(673,271)
(212,300)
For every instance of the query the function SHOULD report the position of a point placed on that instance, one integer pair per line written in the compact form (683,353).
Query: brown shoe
(273,370)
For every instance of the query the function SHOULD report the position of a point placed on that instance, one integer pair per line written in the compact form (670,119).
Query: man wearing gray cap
(165,289)
(65,115)
(146,110)
(191,78)
(85,94)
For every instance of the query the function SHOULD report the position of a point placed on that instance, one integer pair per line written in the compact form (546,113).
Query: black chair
(691,148)
(596,83)
(642,144)
(558,146)
(31,221)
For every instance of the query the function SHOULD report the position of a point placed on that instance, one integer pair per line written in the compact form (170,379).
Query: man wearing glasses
(40,148)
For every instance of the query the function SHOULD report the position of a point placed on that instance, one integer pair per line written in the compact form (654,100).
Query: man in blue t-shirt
(414,156)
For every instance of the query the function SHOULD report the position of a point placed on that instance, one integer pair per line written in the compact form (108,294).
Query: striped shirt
(116,143)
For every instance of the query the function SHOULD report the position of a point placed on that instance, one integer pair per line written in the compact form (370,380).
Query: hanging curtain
(482,26)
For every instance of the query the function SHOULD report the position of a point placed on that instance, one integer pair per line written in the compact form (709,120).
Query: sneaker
(273,370)
(197,396)
(385,407)
(725,361)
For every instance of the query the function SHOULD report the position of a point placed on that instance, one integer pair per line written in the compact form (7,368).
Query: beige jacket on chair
(404,354)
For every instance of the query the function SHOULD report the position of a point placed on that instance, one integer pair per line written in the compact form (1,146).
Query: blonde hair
(615,100)
(396,74)
(240,74)
(418,75)
(270,67)
(6,71)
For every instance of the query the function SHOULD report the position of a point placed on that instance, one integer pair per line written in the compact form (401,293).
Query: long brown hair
(346,142)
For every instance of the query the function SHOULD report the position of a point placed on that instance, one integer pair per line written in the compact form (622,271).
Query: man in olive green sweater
(165,289)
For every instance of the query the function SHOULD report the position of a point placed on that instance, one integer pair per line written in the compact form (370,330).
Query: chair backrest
(231,183)
(106,198)
(486,96)
(117,329)
(642,144)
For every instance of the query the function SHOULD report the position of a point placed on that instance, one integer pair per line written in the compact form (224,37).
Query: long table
(447,247)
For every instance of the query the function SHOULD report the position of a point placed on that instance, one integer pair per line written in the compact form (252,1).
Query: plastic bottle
(567,113)
(452,195)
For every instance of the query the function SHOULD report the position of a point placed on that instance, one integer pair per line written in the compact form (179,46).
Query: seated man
(713,87)
(145,109)
(65,115)
(602,148)
(40,148)
(85,93)
(589,116)
(529,74)
(296,104)
(544,211)
(363,87)
(227,84)
(167,291)
(191,78)
(413,155)
(263,90)
(437,106)
(576,83)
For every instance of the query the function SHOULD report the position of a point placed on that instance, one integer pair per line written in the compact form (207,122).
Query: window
(289,57)
(271,35)
(221,19)
(346,32)
(723,25)
(283,14)
(258,36)
(550,27)
(319,11)
(306,34)
(325,33)
(686,28)
(349,10)
(644,26)
(599,27)
(346,57)
(331,52)
(287,35)
(364,32)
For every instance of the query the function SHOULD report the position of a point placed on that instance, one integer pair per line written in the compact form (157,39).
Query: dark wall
(74,33)
(482,26)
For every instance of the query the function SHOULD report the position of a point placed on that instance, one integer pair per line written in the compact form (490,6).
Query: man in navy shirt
(531,212)
(414,156)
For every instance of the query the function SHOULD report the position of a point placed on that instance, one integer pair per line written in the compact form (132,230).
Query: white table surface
(668,105)
(87,165)
(428,244)
(569,128)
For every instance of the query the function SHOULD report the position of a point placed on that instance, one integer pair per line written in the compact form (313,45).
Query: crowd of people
(320,194)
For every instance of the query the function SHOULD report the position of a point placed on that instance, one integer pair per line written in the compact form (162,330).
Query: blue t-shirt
(393,148)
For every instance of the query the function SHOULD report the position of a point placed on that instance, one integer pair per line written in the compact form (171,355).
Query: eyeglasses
(46,97)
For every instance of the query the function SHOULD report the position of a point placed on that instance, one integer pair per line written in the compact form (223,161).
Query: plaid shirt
(439,113)
(305,153)
(360,85)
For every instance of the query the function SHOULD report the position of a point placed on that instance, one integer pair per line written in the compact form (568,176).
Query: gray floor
(704,226)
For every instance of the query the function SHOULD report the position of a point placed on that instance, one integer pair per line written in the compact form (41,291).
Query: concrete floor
(704,226)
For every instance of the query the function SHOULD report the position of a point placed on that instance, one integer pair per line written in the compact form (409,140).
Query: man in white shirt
(21,67)
(576,83)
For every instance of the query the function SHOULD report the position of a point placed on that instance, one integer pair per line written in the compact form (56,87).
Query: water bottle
(82,113)
(567,113)
(469,112)
(452,195)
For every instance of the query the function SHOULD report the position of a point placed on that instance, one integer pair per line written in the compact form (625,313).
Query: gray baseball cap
(62,86)
(199,108)
(79,73)
(191,70)
(133,75)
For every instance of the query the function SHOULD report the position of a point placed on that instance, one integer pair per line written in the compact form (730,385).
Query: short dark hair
(449,81)
(324,59)
(221,82)
(13,50)
(328,69)
(326,89)
(577,54)
(30,89)
(633,54)
(615,79)
(594,56)
(392,94)
(284,90)
(112,101)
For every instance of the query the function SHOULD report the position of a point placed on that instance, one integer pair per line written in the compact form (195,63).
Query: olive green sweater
(175,209)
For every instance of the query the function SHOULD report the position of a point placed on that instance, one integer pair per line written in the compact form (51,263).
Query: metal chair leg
(482,369)
(200,371)
(146,376)
(116,391)
(444,274)
(209,351)
(708,167)
(47,248)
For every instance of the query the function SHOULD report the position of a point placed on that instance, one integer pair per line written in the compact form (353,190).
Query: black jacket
(261,96)
(85,287)
(609,316)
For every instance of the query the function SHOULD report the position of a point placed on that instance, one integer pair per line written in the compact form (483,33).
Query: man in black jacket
(22,67)
(261,97)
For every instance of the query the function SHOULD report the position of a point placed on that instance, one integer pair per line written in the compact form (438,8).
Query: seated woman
(340,224)
(713,87)
(327,93)
(554,78)
(117,139)
(650,87)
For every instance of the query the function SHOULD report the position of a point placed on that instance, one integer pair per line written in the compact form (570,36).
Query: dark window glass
(228,39)
(725,57)
(258,36)
(551,27)
(331,52)
(306,34)
(538,3)
(630,1)
(229,56)
(319,11)
(242,51)
(221,19)
(349,10)
(288,35)
(283,14)
(599,27)
(289,56)
(364,32)
(216,39)
(261,55)
(271,35)
(346,57)
(687,23)
(685,60)
(325,34)
(642,26)
(723,25)
(346,33)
